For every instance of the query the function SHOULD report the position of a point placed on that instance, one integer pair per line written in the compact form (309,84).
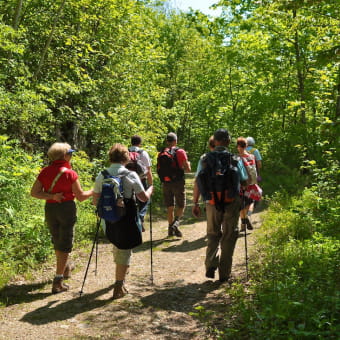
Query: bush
(24,235)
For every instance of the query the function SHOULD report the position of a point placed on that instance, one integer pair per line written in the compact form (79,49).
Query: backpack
(111,206)
(219,179)
(135,164)
(168,168)
(250,165)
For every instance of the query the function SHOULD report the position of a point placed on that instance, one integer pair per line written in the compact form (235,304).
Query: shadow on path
(66,310)
(155,243)
(187,246)
(180,299)
(13,294)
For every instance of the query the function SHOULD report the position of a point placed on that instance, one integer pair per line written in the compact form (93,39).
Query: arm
(95,198)
(196,210)
(186,166)
(145,195)
(149,176)
(79,193)
(37,191)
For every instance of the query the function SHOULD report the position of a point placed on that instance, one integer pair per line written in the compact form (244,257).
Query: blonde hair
(58,151)
(119,153)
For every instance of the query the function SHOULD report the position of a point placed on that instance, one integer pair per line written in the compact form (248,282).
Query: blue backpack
(111,206)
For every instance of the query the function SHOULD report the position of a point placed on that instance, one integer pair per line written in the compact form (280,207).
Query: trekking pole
(95,241)
(151,259)
(95,270)
(245,237)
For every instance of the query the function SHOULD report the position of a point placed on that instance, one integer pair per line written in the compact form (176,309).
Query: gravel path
(161,310)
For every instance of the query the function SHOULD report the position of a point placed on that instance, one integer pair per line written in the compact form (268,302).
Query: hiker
(252,188)
(132,185)
(254,151)
(143,157)
(172,162)
(258,158)
(219,183)
(58,184)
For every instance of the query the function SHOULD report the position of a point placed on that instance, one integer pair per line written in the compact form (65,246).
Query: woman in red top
(58,184)
(250,165)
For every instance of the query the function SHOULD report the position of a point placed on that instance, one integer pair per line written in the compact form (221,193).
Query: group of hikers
(227,184)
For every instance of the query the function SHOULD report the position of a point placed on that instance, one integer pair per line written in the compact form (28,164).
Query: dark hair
(136,140)
(119,153)
(222,135)
(242,142)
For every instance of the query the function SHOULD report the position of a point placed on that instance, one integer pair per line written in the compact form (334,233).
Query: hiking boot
(210,273)
(249,225)
(119,291)
(175,226)
(58,286)
(171,231)
(243,227)
(177,232)
(68,269)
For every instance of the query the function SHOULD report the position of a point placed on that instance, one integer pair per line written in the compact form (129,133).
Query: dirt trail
(158,311)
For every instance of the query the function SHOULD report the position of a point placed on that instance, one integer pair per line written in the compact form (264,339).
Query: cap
(250,141)
(222,135)
(171,137)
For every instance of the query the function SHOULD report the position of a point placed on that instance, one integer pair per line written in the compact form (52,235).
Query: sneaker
(58,286)
(119,291)
(210,273)
(68,269)
(249,225)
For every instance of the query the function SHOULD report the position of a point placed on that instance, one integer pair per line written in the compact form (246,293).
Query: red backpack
(135,164)
(168,168)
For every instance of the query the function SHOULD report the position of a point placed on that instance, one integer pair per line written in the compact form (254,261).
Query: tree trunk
(300,75)
(17,14)
(47,45)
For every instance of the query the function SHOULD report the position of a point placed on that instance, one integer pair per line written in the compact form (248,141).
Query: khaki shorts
(60,219)
(174,194)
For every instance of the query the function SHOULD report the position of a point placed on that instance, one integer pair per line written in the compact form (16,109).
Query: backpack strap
(175,155)
(56,178)
(252,150)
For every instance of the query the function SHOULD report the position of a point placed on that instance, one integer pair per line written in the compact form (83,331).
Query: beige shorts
(122,256)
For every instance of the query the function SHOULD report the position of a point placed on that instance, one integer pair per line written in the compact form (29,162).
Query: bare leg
(121,270)
(61,261)
(171,217)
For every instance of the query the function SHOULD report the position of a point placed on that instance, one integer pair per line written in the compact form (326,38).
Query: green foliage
(295,273)
(24,236)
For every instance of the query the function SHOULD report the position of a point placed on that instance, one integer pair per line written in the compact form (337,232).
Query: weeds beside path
(159,311)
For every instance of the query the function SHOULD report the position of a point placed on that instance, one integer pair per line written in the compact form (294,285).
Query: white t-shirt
(144,156)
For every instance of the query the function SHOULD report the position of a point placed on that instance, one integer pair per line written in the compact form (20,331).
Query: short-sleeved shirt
(181,156)
(255,152)
(131,181)
(144,156)
(64,183)
(242,170)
